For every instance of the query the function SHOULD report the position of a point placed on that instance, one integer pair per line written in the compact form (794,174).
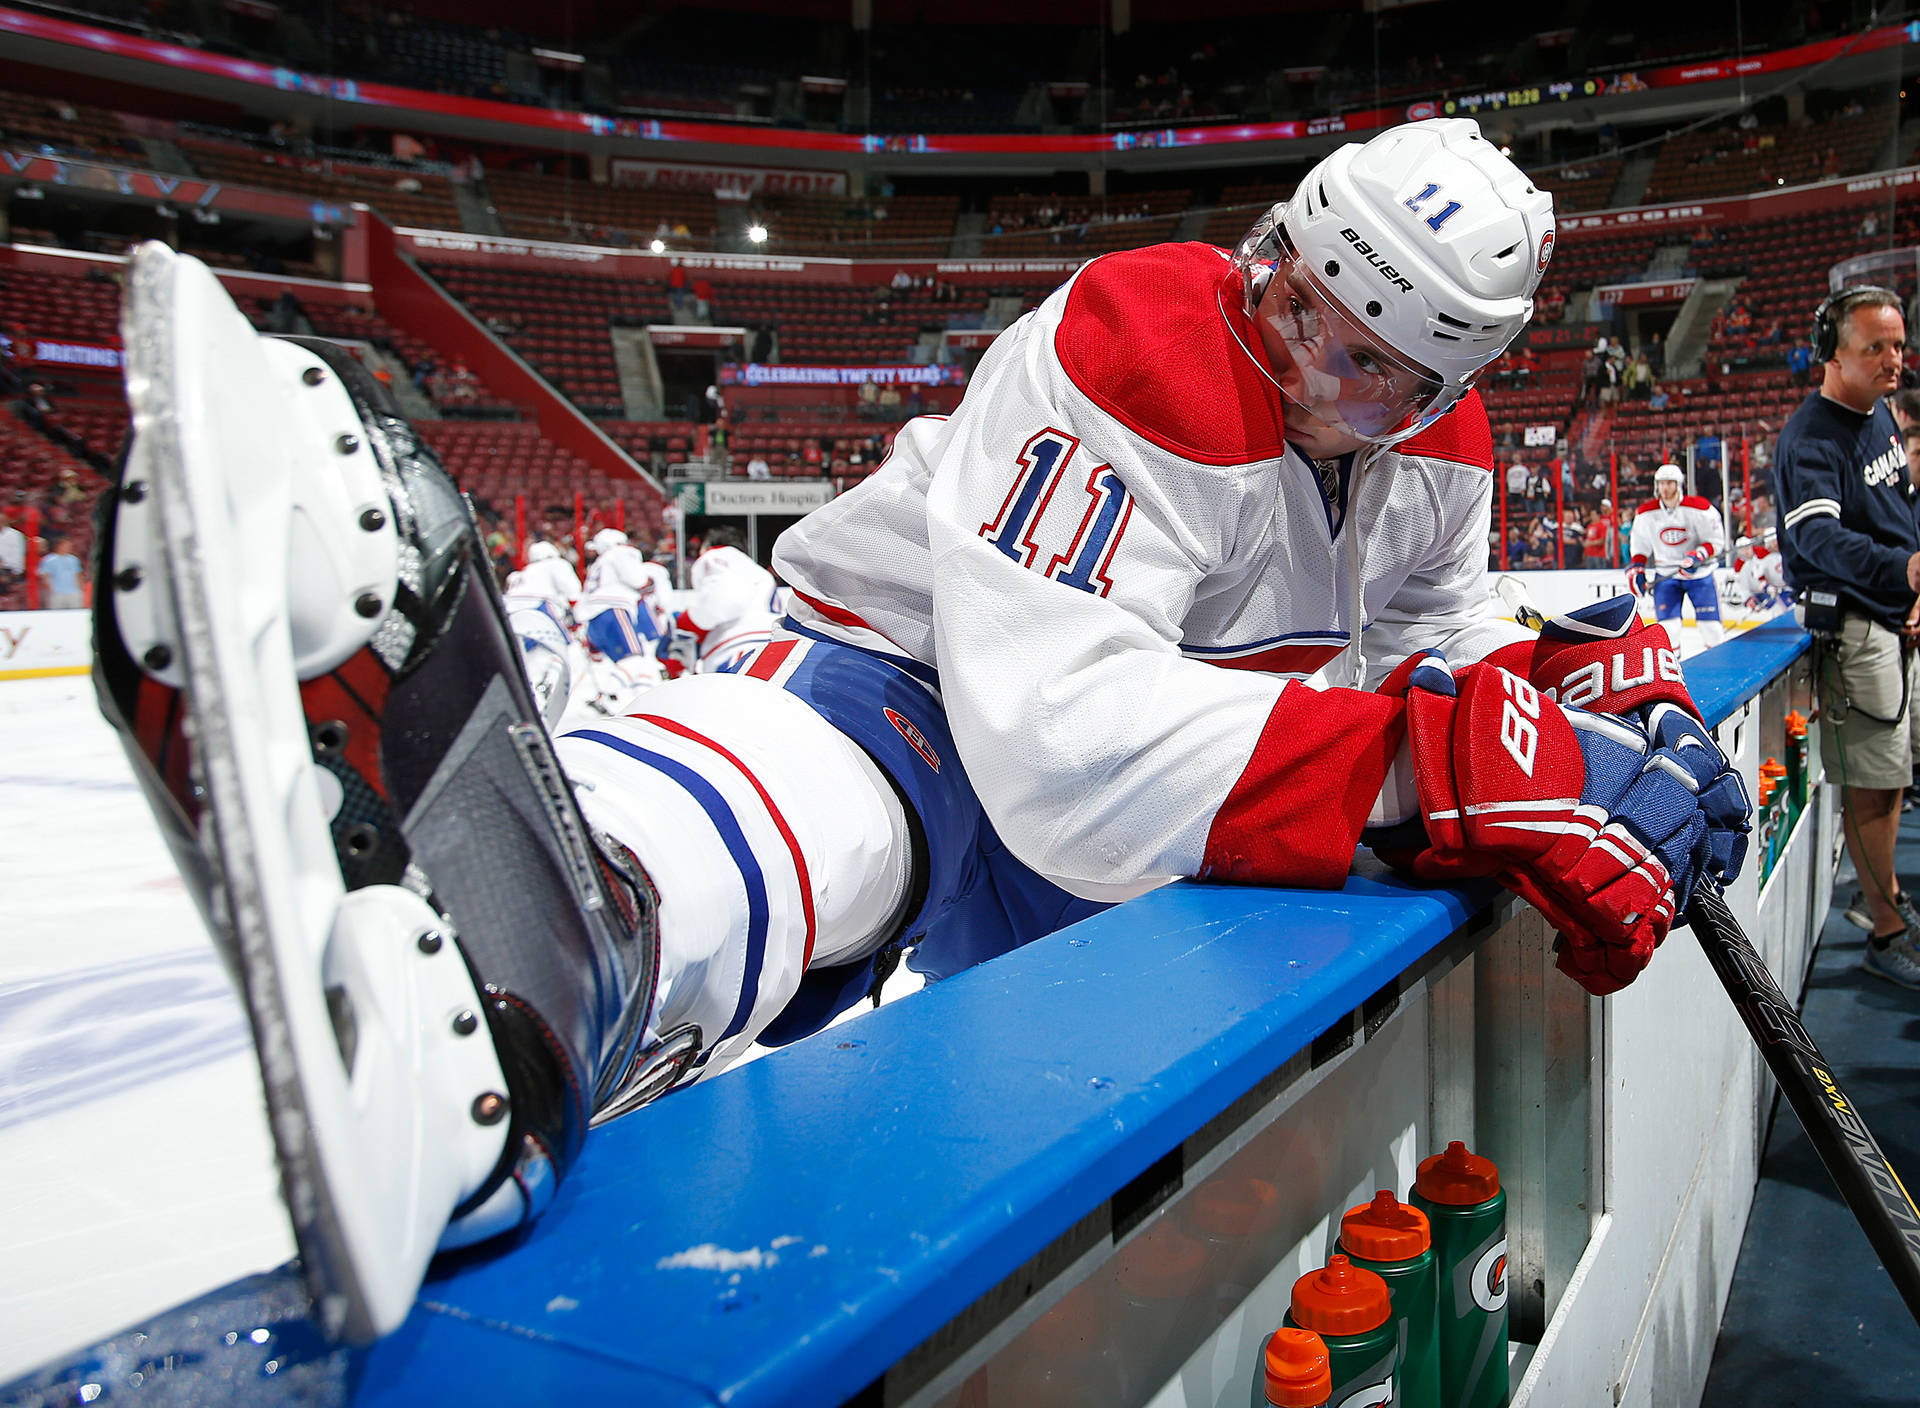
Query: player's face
(1871,354)
(1913,459)
(1668,491)
(1343,386)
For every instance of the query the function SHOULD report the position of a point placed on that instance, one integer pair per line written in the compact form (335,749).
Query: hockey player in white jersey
(539,600)
(620,619)
(1675,542)
(547,583)
(1048,657)
(1762,579)
(732,608)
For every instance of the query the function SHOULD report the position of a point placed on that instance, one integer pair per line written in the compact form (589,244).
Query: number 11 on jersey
(1103,514)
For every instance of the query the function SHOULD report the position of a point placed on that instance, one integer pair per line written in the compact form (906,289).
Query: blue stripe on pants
(724,821)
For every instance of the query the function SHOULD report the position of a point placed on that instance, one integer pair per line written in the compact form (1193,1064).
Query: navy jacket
(1846,510)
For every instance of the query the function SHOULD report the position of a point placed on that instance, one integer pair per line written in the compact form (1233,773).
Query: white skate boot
(448,977)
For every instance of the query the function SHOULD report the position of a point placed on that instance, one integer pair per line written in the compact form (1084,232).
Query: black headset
(1834,307)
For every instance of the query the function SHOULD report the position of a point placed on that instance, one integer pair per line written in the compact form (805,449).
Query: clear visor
(1331,367)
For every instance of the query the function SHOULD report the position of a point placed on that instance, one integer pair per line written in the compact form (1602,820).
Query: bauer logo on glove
(1602,822)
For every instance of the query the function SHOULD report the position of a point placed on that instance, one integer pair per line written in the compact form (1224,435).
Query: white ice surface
(134,1153)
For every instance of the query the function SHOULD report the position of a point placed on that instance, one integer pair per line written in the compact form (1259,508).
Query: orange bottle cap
(1385,1229)
(1299,1373)
(1767,788)
(1796,724)
(1341,1299)
(1773,767)
(1456,1178)
(1235,1209)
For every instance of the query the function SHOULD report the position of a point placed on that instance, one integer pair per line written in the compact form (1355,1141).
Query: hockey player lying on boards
(1049,657)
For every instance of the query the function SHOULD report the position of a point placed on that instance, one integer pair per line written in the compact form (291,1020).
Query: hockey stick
(1853,1158)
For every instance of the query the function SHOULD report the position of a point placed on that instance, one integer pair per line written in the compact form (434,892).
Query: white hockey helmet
(542,551)
(606,539)
(1669,472)
(1408,265)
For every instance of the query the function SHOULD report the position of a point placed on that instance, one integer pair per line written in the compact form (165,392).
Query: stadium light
(757,233)
(659,246)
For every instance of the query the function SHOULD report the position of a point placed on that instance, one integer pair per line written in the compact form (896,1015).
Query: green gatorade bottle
(1395,1242)
(1460,1194)
(1351,1311)
(1295,1370)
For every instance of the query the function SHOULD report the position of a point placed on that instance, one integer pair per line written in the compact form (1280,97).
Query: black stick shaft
(1880,1202)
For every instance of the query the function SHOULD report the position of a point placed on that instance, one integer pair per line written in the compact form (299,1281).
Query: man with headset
(1852,550)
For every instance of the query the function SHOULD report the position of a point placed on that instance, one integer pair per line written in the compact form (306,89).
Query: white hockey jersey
(1762,577)
(618,577)
(550,583)
(732,606)
(1116,564)
(1663,538)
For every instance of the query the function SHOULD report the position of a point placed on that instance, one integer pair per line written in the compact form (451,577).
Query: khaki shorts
(1864,667)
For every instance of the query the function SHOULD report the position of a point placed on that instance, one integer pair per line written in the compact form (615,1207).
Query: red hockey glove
(1577,813)
(1637,579)
(1601,657)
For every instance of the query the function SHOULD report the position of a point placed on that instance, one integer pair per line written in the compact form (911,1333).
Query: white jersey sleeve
(1645,538)
(1117,455)
(1445,603)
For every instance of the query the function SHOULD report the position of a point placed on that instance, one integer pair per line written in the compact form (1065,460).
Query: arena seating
(1730,161)
(1082,226)
(535,206)
(1580,185)
(902,227)
(1239,207)
(62,307)
(30,123)
(408,196)
(495,460)
(560,323)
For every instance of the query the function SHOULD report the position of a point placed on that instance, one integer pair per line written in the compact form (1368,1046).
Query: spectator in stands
(61,578)
(1869,225)
(1639,378)
(1573,540)
(1553,304)
(1517,480)
(1593,374)
(1799,362)
(869,400)
(1598,537)
(758,468)
(890,402)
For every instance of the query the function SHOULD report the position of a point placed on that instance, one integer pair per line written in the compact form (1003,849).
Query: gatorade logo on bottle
(1372,1396)
(1489,1280)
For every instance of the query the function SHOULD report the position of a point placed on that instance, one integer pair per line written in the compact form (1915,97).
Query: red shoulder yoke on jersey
(1146,337)
(1603,658)
(1462,436)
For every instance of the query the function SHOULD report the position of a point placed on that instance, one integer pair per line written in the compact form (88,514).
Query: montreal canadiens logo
(1546,252)
(1489,1283)
(1673,537)
(1420,112)
(915,739)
